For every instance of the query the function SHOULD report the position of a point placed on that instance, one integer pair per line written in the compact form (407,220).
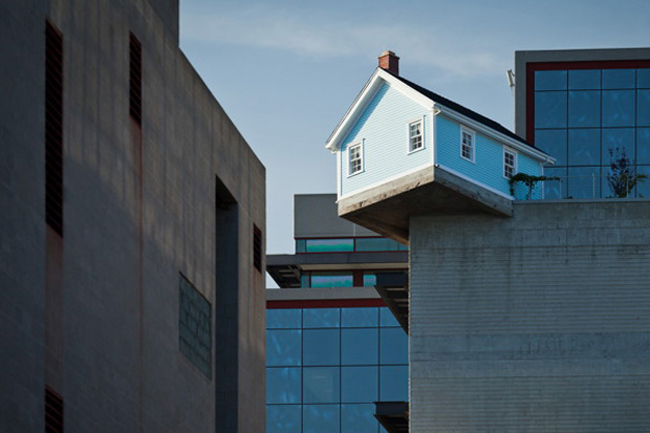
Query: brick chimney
(390,62)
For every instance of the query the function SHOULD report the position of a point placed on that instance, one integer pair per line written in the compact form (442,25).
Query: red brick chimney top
(390,62)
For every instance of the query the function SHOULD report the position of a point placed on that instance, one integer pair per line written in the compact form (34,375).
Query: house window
(509,163)
(416,136)
(355,159)
(467,144)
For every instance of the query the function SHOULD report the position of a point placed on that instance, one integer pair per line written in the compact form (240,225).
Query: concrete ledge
(329,293)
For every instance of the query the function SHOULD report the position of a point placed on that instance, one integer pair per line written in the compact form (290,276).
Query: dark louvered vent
(53,411)
(54,128)
(135,78)
(257,248)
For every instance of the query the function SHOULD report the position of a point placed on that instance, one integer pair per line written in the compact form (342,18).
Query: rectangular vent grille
(135,78)
(53,411)
(54,128)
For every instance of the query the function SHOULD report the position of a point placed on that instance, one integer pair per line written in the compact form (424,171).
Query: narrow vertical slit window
(509,163)
(54,128)
(53,411)
(135,78)
(257,248)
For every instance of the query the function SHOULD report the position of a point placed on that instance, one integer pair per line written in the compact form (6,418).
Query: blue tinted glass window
(386,318)
(643,146)
(283,347)
(321,384)
(393,345)
(321,347)
(358,418)
(553,142)
(643,108)
(584,182)
(619,138)
(359,317)
(550,109)
(618,108)
(618,78)
(643,78)
(643,188)
(359,346)
(369,279)
(283,318)
(284,419)
(329,245)
(584,146)
(321,317)
(304,280)
(359,384)
(301,246)
(550,80)
(584,79)
(331,279)
(283,385)
(555,189)
(321,419)
(376,244)
(393,383)
(584,108)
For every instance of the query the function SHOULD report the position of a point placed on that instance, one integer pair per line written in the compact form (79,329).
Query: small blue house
(403,150)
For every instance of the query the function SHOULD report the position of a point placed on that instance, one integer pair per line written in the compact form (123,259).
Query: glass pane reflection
(283,385)
(321,419)
(321,385)
(359,346)
(321,347)
(393,383)
(359,384)
(284,419)
(358,418)
(283,347)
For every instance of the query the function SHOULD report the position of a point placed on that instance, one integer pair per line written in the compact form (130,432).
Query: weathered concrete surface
(386,209)
(134,218)
(538,323)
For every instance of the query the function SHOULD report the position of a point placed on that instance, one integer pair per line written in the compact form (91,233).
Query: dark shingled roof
(464,111)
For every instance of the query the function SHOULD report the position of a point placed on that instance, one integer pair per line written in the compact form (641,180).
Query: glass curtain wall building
(587,108)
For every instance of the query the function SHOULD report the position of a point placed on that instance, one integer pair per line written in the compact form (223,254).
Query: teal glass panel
(358,418)
(304,281)
(643,78)
(283,347)
(283,318)
(321,317)
(584,146)
(584,182)
(584,108)
(393,343)
(332,279)
(555,189)
(283,385)
(618,78)
(619,139)
(360,346)
(359,384)
(301,246)
(329,245)
(376,244)
(550,80)
(284,419)
(386,318)
(643,146)
(553,142)
(402,247)
(369,279)
(321,347)
(618,108)
(359,317)
(393,383)
(550,109)
(321,419)
(584,79)
(643,108)
(321,385)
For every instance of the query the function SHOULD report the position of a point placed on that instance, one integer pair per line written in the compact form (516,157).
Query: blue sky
(286,71)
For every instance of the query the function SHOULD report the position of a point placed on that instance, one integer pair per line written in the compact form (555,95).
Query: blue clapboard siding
(383,127)
(488,165)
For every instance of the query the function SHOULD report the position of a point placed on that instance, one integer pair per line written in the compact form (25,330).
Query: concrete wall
(139,208)
(539,322)
(316,216)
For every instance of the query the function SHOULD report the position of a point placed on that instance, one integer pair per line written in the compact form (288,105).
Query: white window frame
(419,120)
(472,134)
(506,151)
(352,146)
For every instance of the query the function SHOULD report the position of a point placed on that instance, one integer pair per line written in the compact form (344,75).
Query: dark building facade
(133,220)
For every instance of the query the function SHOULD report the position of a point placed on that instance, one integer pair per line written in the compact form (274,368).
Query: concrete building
(333,347)
(534,320)
(132,240)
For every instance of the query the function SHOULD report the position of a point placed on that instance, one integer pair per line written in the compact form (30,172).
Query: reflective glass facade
(327,366)
(346,245)
(583,117)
